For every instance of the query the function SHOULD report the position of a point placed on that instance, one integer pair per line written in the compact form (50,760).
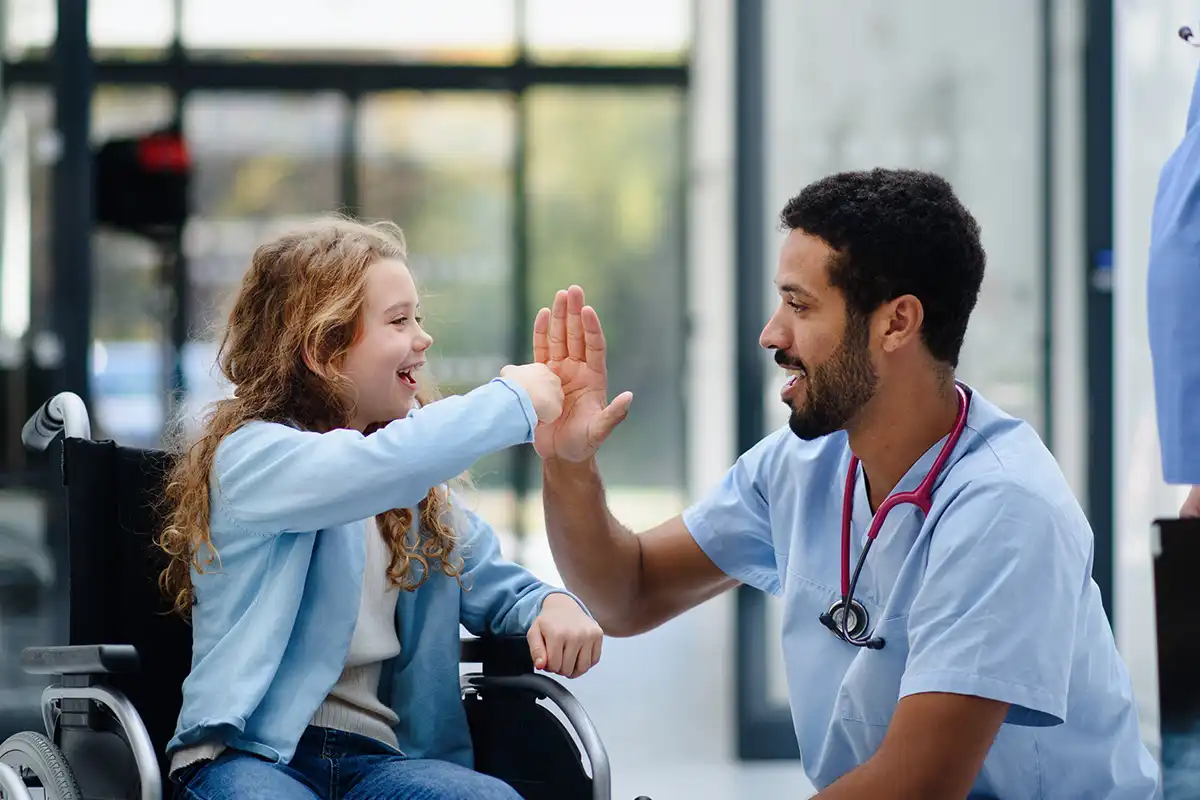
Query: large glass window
(35,109)
(440,166)
(262,162)
(122,28)
(614,31)
(126,308)
(29,26)
(478,31)
(30,569)
(460,31)
(605,172)
(129,292)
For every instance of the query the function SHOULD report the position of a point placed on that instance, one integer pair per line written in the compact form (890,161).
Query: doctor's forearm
(876,778)
(597,557)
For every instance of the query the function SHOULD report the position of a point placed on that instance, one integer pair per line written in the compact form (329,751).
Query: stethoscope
(848,618)
(1186,34)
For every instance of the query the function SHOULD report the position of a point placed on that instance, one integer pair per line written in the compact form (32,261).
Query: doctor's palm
(570,341)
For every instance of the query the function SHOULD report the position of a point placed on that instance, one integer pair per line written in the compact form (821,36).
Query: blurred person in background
(969,654)
(1173,298)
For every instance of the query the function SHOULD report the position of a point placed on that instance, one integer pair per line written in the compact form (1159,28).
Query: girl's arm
(499,597)
(272,478)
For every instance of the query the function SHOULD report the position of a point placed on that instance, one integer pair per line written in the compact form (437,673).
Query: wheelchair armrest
(91,659)
(498,655)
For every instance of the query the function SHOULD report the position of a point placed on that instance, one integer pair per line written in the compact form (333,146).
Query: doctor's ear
(900,322)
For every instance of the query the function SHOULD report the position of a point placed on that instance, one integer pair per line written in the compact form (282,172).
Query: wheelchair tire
(32,755)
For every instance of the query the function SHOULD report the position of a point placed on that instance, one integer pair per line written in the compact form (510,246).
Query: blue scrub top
(991,595)
(1173,296)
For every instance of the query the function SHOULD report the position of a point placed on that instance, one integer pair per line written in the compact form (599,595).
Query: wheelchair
(113,707)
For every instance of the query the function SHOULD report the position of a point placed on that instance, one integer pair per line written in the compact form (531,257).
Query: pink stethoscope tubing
(837,619)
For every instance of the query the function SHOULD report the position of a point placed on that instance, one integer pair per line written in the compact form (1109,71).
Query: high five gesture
(569,339)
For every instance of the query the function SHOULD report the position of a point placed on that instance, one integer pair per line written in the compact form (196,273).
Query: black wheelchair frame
(116,697)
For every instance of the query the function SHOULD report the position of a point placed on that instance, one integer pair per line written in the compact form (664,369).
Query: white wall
(1153,79)
(943,85)
(1067,264)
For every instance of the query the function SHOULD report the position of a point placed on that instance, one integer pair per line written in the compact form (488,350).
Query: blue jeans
(334,765)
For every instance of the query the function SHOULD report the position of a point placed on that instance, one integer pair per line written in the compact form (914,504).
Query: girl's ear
(310,360)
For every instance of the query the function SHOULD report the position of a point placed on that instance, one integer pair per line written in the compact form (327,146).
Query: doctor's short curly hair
(896,232)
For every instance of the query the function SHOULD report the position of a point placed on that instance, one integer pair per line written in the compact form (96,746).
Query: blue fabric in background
(1174,304)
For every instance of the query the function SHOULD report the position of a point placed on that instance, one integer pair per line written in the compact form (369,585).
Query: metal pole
(521,333)
(764,731)
(1047,219)
(176,283)
(70,316)
(1098,210)
(72,240)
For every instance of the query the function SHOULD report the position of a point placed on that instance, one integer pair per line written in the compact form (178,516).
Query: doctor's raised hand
(568,339)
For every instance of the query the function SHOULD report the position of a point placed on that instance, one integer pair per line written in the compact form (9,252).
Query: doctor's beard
(835,391)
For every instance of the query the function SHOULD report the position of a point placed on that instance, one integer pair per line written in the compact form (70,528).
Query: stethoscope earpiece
(1186,34)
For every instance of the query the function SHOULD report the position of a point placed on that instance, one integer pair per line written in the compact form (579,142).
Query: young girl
(319,554)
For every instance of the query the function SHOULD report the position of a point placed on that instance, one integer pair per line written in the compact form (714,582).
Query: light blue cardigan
(274,616)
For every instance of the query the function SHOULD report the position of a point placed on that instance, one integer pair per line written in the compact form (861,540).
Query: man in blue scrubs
(998,675)
(1173,294)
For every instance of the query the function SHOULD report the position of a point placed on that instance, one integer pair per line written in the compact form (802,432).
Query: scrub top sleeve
(732,523)
(996,611)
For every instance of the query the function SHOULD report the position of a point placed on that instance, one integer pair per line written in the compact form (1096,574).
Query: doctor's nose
(774,336)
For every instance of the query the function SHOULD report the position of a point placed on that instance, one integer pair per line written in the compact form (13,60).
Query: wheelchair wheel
(40,763)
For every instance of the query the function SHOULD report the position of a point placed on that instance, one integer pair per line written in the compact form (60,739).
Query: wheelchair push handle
(63,413)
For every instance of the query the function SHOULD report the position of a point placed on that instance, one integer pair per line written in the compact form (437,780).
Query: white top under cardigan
(353,704)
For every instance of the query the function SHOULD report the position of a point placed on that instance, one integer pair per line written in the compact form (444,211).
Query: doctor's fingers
(557,333)
(575,337)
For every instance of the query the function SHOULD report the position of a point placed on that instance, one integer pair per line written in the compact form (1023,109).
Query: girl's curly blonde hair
(301,299)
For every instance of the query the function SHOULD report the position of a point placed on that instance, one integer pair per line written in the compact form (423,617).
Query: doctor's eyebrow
(793,289)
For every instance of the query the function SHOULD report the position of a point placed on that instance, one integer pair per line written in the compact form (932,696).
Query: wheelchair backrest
(112,521)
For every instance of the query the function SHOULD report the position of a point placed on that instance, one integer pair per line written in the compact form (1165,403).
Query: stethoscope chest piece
(856,621)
